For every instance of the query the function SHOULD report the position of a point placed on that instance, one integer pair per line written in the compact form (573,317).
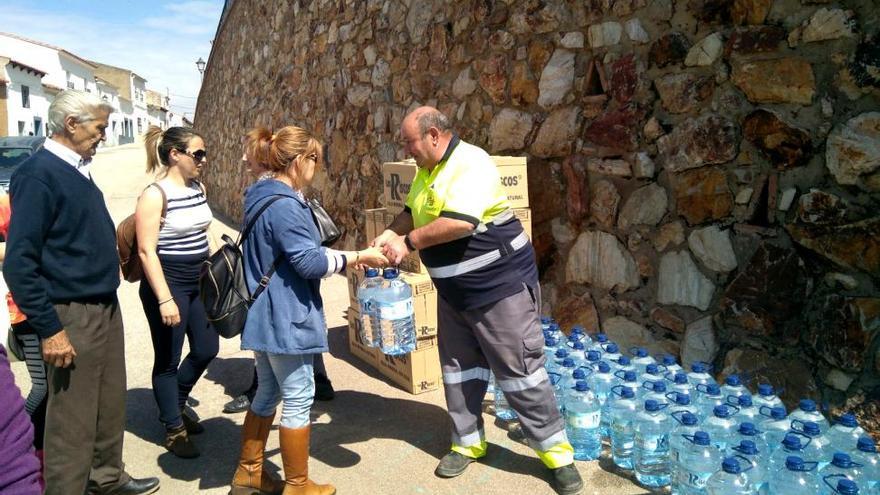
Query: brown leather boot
(250,479)
(295,457)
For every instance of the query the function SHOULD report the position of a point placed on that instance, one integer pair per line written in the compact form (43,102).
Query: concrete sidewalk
(374,438)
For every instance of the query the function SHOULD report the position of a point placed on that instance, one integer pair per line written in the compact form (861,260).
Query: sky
(158,40)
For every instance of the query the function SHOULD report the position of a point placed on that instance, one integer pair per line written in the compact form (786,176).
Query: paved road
(372,439)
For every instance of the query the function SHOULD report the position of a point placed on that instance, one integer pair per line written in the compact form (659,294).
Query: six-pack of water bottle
(679,428)
(386,312)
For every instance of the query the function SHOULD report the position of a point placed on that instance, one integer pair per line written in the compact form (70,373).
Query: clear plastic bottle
(866,454)
(651,449)
(807,411)
(699,374)
(818,449)
(671,364)
(844,487)
(686,424)
(566,380)
(721,426)
(845,433)
(681,384)
(766,396)
(582,422)
(581,332)
(503,410)
(601,381)
(730,480)
(841,466)
(622,365)
(598,343)
(796,477)
(746,411)
(623,411)
(545,322)
(656,391)
(733,387)
(612,353)
(680,403)
(394,307)
(757,459)
(708,398)
(628,379)
(696,463)
(366,291)
(641,359)
(551,344)
(774,425)
(747,431)
(792,445)
(651,373)
(592,359)
(578,352)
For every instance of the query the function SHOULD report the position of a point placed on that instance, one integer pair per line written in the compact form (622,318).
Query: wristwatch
(409,243)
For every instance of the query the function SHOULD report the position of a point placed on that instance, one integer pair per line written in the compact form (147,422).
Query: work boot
(190,422)
(250,478)
(323,387)
(452,465)
(237,405)
(567,480)
(177,442)
(295,457)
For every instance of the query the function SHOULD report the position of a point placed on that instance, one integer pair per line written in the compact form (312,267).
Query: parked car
(13,151)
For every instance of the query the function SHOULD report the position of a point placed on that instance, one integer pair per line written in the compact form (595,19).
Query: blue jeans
(289,377)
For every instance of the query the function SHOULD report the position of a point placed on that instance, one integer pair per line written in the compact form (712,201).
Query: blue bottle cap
(721,411)
(568,362)
(551,341)
(777,412)
(698,367)
(371,272)
(545,320)
(579,374)
(593,356)
(701,438)
(794,463)
(866,444)
(573,338)
(732,380)
(807,405)
(611,348)
(745,400)
(561,353)
(624,361)
(604,367)
(629,376)
(581,386)
(713,389)
(680,378)
(730,465)
(627,393)
(847,487)
(601,338)
(390,273)
(577,329)
(748,447)
(652,369)
(791,442)
(668,360)
(848,420)
(812,429)
(641,352)
(658,386)
(652,405)
(765,389)
(578,345)
(841,459)
(554,326)
(688,419)
(682,399)
(747,428)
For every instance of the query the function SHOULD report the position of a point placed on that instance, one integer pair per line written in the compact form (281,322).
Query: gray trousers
(85,415)
(505,337)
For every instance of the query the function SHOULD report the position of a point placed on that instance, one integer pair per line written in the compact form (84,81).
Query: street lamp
(200,64)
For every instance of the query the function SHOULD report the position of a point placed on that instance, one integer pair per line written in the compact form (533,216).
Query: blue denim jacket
(288,317)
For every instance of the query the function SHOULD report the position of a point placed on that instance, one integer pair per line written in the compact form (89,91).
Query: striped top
(183,238)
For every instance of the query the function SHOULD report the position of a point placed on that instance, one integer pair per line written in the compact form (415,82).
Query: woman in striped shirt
(172,250)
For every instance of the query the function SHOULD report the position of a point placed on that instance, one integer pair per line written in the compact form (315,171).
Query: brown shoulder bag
(126,242)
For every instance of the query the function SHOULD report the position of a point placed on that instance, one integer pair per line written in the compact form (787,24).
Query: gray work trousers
(506,337)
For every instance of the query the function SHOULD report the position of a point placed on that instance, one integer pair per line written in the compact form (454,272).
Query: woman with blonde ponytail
(286,325)
(171,249)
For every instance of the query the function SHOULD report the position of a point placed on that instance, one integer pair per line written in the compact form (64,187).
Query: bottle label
(655,444)
(584,420)
(698,480)
(396,310)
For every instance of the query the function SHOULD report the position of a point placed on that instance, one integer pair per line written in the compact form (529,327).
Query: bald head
(426,133)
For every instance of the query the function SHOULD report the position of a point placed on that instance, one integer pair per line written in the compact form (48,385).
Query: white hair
(81,105)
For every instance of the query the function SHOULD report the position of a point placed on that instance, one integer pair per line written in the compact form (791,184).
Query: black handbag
(326,227)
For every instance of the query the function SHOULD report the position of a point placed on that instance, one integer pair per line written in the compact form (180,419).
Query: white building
(23,102)
(157,109)
(116,127)
(132,99)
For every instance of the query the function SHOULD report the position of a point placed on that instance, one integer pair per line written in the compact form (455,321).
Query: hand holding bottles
(371,257)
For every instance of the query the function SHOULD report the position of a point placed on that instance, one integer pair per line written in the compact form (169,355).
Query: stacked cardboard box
(419,371)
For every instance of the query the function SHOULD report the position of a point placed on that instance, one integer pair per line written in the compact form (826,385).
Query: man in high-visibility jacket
(483,265)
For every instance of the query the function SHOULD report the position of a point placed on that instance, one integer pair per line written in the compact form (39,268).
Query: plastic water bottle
(641,358)
(545,322)
(758,463)
(792,445)
(844,486)
(503,410)
(651,373)
(628,379)
(366,291)
(651,449)
(747,431)
(866,454)
(490,387)
(560,356)
(671,364)
(797,477)
(622,365)
(598,343)
(841,466)
(612,353)
(593,358)
(686,425)
(845,433)
(578,352)
(774,425)
(550,346)
(581,332)
(655,391)
(721,426)
(730,480)
(708,398)
(681,384)
(394,306)
(680,403)
(699,374)
(566,372)
(696,463)
(766,397)
(807,411)
(733,386)
(582,418)
(746,410)
(623,411)
(601,381)
(818,449)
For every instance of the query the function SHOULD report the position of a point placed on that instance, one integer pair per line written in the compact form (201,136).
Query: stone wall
(703,173)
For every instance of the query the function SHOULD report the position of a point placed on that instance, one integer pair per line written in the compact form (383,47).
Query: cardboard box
(397,178)
(370,231)
(417,372)
(358,347)
(525,218)
(424,299)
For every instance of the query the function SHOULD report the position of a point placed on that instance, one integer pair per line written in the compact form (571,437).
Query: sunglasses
(197,155)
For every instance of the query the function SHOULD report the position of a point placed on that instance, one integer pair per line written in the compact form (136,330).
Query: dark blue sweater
(62,242)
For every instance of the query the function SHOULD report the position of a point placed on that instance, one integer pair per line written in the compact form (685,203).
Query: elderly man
(62,266)
(483,265)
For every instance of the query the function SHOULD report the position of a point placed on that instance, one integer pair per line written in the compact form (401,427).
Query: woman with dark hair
(286,327)
(172,249)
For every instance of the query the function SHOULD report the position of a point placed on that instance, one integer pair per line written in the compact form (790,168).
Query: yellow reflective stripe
(557,456)
(474,451)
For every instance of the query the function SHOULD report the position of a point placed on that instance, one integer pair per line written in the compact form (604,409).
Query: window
(21,125)
(140,126)
(70,85)
(25,97)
